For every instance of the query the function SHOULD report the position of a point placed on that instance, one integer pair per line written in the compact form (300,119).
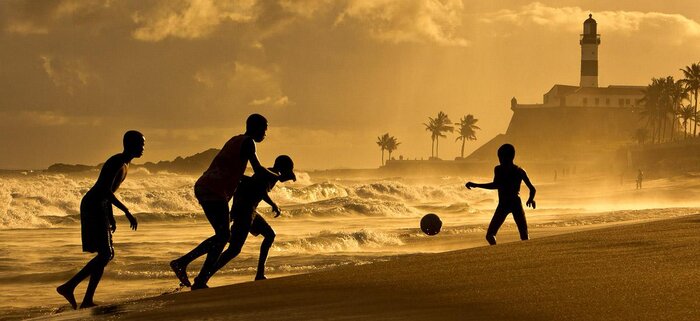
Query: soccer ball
(430,224)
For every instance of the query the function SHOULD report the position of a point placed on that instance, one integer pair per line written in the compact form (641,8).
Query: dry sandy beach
(646,271)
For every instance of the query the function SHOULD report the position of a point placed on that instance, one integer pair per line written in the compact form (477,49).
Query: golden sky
(330,76)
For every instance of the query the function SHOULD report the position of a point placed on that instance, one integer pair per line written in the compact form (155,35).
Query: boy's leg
(260,226)
(239,234)
(94,240)
(66,289)
(520,221)
(218,215)
(499,216)
(101,260)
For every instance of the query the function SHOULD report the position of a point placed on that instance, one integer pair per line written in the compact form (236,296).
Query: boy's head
(285,167)
(134,143)
(506,154)
(256,126)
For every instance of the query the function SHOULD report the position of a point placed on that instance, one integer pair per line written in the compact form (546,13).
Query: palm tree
(652,107)
(431,126)
(442,124)
(673,96)
(467,130)
(391,145)
(692,85)
(382,142)
(641,135)
(687,113)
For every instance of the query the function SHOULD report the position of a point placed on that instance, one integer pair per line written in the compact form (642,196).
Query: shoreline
(642,271)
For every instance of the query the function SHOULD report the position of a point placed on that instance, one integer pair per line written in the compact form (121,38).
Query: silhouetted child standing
(507,178)
(97,220)
(250,191)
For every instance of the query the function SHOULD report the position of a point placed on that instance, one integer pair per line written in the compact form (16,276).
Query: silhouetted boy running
(97,219)
(246,219)
(507,178)
(214,190)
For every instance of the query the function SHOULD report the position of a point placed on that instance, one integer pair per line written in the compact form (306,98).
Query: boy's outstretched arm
(248,153)
(531,200)
(491,185)
(275,209)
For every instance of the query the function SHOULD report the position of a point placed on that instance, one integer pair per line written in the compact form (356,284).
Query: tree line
(666,98)
(437,127)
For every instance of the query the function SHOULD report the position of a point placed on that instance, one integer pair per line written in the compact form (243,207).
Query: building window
(621,102)
(607,101)
(597,101)
(585,101)
(627,101)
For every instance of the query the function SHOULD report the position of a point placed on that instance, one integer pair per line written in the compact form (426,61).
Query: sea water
(326,222)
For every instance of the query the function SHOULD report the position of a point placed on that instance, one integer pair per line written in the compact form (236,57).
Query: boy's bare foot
(260,277)
(180,272)
(67,292)
(198,286)
(86,305)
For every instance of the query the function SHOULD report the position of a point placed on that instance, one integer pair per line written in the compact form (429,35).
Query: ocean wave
(343,206)
(582,219)
(38,201)
(401,192)
(310,193)
(394,191)
(333,241)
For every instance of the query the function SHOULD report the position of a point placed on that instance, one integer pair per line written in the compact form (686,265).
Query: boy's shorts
(247,220)
(96,234)
(259,226)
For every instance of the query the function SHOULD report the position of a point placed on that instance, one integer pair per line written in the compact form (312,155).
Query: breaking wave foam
(43,200)
(329,241)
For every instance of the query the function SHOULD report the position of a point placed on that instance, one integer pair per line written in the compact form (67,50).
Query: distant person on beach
(507,179)
(246,219)
(97,219)
(214,190)
(640,178)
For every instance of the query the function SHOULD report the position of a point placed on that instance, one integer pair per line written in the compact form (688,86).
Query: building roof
(611,90)
(562,90)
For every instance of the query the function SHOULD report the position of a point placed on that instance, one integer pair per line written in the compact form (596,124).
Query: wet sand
(646,271)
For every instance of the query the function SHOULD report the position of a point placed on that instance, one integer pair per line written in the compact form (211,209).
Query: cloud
(245,83)
(26,28)
(46,118)
(398,21)
(259,83)
(68,75)
(270,101)
(190,19)
(305,8)
(395,21)
(38,17)
(677,27)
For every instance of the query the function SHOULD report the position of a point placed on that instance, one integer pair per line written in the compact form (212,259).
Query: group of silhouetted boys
(225,180)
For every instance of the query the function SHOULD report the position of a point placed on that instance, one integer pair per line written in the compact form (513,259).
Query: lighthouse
(590,40)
